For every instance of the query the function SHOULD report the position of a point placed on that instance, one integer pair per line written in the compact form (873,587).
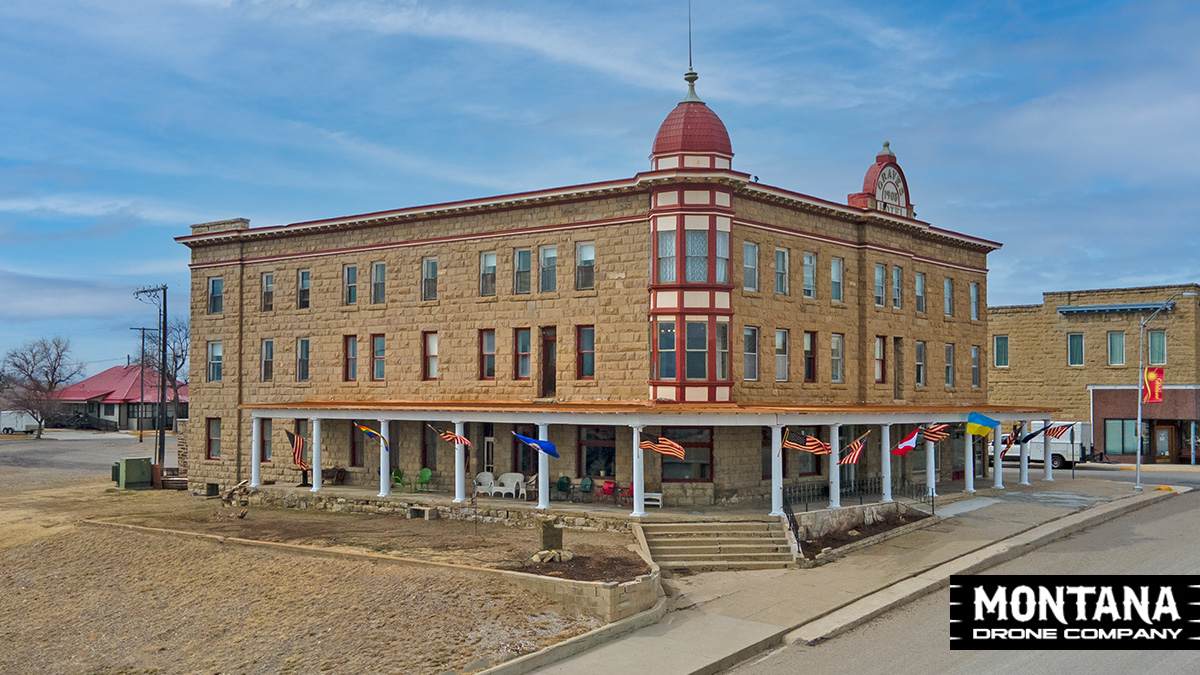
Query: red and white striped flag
(935,433)
(855,450)
(816,446)
(297,450)
(1059,430)
(663,446)
(450,436)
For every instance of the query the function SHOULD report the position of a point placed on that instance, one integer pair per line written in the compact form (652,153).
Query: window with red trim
(697,465)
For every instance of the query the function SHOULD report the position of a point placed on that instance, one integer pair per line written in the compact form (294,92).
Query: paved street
(1160,539)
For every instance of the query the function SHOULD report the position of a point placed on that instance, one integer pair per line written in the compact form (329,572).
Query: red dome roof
(692,127)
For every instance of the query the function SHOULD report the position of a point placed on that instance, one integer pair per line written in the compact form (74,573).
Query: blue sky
(1070,131)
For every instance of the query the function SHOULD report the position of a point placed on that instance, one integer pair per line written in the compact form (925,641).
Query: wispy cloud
(29,297)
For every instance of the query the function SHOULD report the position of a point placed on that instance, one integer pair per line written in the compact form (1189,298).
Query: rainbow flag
(371,433)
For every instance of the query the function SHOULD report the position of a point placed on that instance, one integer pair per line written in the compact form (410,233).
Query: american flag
(936,432)
(815,446)
(450,436)
(789,444)
(663,446)
(1058,431)
(297,450)
(1016,431)
(854,450)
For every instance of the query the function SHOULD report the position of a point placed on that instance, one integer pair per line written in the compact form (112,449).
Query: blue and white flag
(541,446)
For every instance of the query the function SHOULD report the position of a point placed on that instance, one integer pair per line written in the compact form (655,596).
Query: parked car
(1073,448)
(17,422)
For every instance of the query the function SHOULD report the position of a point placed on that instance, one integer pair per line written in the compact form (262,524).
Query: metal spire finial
(689,35)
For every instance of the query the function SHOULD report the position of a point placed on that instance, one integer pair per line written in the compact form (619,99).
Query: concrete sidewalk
(721,618)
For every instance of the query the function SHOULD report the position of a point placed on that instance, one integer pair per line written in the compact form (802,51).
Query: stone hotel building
(688,301)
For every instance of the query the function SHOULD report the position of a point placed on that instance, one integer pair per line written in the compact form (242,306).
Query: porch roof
(642,413)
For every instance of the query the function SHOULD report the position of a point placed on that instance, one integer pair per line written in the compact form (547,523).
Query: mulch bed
(833,540)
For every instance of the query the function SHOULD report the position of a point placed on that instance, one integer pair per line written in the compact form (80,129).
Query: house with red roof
(117,396)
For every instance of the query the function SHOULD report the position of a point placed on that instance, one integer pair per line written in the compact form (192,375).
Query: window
(212,439)
(897,286)
(880,359)
(781,355)
(696,358)
(350,358)
(835,279)
(268,291)
(585,266)
(522,259)
(1000,351)
(696,466)
(1074,349)
(429,346)
(722,257)
(696,256)
(548,269)
(214,361)
(919,358)
(666,350)
(750,354)
(1116,349)
(781,271)
(358,441)
(975,375)
(666,257)
(1120,437)
(216,295)
(810,275)
(487,274)
(809,464)
(837,342)
(267,368)
(429,276)
(265,435)
(585,342)
(523,457)
(597,452)
(303,284)
(378,283)
(948,295)
(521,363)
(487,354)
(349,284)
(749,266)
(974,290)
(110,409)
(1158,347)
(919,291)
(810,357)
(722,351)
(880,284)
(378,354)
(429,447)
(302,360)
(949,365)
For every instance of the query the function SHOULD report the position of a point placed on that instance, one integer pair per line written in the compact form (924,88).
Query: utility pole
(160,293)
(142,383)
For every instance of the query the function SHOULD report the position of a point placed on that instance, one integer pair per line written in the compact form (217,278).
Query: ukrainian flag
(980,425)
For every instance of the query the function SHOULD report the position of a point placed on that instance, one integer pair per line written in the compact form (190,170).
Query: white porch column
(835,471)
(930,469)
(885,461)
(316,455)
(385,464)
(996,468)
(776,470)
(1024,478)
(460,465)
(255,452)
(639,475)
(969,463)
(1047,463)
(543,470)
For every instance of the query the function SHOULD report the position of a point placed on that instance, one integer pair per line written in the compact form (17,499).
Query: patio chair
(564,486)
(626,495)
(585,489)
(397,478)
(485,483)
(606,490)
(423,480)
(508,484)
(529,487)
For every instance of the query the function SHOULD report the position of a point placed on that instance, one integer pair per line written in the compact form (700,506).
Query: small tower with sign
(884,188)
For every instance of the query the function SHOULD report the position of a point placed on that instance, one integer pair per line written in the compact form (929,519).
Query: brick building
(688,301)
(1078,350)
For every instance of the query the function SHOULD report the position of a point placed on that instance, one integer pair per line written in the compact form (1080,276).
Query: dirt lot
(98,600)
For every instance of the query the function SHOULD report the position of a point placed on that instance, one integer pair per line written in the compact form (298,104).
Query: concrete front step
(717,545)
(737,545)
(687,528)
(727,534)
(723,565)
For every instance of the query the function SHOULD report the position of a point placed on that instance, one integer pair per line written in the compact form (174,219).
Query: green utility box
(132,473)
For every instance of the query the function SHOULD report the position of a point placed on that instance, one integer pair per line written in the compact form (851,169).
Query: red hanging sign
(1152,385)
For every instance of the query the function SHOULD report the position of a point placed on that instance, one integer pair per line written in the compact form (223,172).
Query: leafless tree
(37,371)
(179,335)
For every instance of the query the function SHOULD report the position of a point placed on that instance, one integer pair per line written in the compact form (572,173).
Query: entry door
(549,361)
(1164,444)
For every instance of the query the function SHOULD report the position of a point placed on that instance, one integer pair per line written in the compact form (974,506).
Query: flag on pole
(854,450)
(787,443)
(1058,431)
(1016,431)
(980,425)
(908,444)
(1033,434)
(663,446)
(935,433)
(816,446)
(450,436)
(541,446)
(371,433)
(297,450)
(1152,385)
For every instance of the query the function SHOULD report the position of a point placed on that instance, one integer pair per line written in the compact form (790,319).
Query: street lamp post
(1142,378)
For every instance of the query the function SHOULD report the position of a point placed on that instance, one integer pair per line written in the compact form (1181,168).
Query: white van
(1074,447)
